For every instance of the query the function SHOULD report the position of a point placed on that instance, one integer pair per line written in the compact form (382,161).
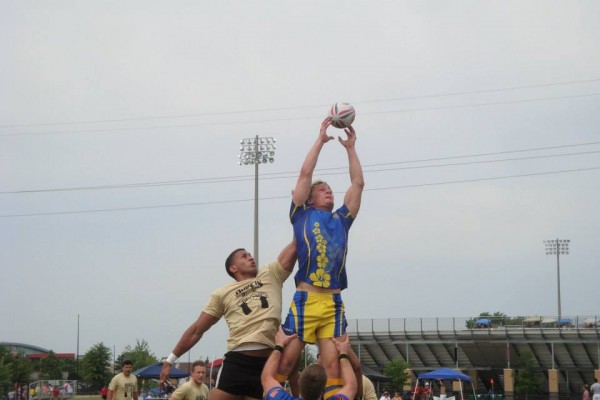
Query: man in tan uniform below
(123,386)
(252,309)
(194,389)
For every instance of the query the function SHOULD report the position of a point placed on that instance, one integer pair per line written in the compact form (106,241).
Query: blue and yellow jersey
(322,241)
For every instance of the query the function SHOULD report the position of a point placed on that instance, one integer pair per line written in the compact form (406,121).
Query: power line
(283,119)
(292,174)
(285,197)
(216,113)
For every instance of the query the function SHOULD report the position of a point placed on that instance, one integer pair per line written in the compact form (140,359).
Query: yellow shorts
(314,315)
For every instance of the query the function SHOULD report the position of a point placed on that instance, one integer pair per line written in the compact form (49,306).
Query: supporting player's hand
(351,133)
(342,344)
(282,339)
(164,374)
(323,132)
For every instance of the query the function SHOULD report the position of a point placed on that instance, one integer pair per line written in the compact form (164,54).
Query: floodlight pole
(77,360)
(558,247)
(256,150)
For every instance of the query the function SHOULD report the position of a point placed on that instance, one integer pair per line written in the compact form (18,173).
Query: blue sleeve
(339,397)
(345,216)
(296,211)
(278,393)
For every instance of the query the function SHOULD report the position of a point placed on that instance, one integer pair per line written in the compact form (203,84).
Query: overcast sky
(120,122)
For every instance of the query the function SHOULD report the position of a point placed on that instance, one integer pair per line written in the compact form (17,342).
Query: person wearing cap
(385,395)
(426,391)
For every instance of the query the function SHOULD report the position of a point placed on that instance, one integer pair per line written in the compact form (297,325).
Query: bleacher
(431,343)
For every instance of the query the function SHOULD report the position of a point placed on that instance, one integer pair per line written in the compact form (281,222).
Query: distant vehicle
(565,323)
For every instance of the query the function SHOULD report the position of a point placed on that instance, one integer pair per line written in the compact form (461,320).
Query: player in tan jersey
(252,309)
(123,386)
(194,389)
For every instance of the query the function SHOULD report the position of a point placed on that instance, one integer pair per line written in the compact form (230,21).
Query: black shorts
(240,375)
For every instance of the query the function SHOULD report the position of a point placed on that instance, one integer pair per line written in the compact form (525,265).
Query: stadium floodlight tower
(256,150)
(558,247)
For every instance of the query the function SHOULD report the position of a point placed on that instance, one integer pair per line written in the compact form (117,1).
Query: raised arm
(287,258)
(353,196)
(269,372)
(190,337)
(302,190)
(357,368)
(347,372)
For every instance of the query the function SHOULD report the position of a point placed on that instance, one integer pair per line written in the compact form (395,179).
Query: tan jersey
(252,308)
(191,391)
(368,389)
(123,387)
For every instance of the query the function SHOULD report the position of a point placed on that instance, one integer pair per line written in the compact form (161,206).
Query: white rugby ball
(342,115)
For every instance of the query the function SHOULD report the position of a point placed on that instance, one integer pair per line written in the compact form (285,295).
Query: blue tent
(483,323)
(448,374)
(445,373)
(153,371)
(565,322)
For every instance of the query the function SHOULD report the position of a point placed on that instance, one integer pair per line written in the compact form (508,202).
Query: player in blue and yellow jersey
(321,234)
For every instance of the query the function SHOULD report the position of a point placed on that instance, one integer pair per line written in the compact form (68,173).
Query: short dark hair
(312,382)
(229,261)
(198,363)
(126,362)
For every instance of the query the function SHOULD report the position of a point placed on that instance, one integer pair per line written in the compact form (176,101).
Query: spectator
(104,392)
(595,389)
(68,389)
(385,395)
(123,386)
(426,391)
(586,392)
(443,390)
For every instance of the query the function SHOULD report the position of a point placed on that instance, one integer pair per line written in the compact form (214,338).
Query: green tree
(140,355)
(14,367)
(51,367)
(396,369)
(71,367)
(4,367)
(95,365)
(20,368)
(526,379)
